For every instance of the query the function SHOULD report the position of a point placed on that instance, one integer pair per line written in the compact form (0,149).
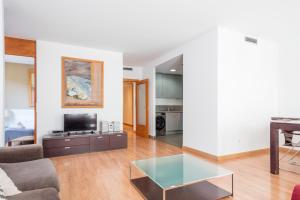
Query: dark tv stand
(68,144)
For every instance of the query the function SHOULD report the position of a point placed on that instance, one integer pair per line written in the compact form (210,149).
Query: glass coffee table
(181,176)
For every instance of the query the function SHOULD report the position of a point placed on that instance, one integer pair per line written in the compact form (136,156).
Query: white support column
(1,74)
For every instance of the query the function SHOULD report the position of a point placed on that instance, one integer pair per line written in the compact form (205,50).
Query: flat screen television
(80,122)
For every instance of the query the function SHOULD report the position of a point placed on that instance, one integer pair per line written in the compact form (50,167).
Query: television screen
(80,122)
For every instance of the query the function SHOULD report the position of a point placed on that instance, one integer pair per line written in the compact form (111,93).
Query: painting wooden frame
(31,87)
(78,97)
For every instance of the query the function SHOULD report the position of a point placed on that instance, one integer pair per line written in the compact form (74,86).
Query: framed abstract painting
(82,83)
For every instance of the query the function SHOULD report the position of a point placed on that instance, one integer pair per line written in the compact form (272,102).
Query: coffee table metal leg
(232,185)
(130,171)
(164,194)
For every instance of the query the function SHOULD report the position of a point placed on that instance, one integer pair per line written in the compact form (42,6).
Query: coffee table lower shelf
(202,190)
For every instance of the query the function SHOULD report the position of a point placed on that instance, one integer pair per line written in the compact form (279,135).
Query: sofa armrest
(21,153)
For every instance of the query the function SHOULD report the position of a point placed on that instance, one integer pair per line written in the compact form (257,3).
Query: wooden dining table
(278,125)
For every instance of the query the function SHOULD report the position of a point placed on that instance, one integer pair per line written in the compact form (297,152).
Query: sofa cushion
(32,175)
(21,153)
(7,185)
(2,196)
(39,194)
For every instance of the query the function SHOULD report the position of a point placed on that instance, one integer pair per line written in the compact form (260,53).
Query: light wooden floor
(104,175)
(173,139)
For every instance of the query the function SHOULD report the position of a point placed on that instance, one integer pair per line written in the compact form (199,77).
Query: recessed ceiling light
(172,70)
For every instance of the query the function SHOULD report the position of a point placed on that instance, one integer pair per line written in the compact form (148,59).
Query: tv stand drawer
(118,141)
(66,142)
(99,143)
(67,150)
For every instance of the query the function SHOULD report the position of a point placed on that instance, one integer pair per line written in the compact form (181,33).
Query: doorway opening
(169,101)
(20,92)
(135,106)
(129,105)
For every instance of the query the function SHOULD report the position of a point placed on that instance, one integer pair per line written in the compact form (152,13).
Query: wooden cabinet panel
(66,142)
(159,85)
(181,121)
(173,121)
(99,143)
(60,145)
(67,150)
(178,87)
(118,141)
(169,86)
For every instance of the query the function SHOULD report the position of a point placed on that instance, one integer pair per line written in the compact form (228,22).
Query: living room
(240,73)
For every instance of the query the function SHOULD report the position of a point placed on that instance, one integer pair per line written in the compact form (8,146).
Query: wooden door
(128,104)
(142,118)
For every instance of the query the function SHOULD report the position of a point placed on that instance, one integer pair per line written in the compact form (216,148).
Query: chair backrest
(296,193)
(284,118)
(288,138)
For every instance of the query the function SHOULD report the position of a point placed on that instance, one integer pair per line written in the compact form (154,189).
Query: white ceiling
(143,29)
(175,63)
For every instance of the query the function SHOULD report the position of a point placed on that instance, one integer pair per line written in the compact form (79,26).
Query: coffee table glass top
(178,170)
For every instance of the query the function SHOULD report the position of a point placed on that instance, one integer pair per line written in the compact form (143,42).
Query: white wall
(49,110)
(199,91)
(247,92)
(1,74)
(289,81)
(149,73)
(136,73)
(16,86)
(230,92)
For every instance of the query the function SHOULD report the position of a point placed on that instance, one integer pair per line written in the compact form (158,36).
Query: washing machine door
(160,123)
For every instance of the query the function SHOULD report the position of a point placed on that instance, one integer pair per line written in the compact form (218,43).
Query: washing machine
(160,123)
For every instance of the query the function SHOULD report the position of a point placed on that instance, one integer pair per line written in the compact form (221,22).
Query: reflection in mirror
(19,100)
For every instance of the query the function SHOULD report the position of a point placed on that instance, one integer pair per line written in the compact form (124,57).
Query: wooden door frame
(130,81)
(146,82)
(26,48)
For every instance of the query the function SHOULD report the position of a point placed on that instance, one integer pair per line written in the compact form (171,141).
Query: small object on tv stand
(110,127)
(116,126)
(57,132)
(104,126)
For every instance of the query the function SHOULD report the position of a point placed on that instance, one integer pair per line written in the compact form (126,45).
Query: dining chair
(292,141)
